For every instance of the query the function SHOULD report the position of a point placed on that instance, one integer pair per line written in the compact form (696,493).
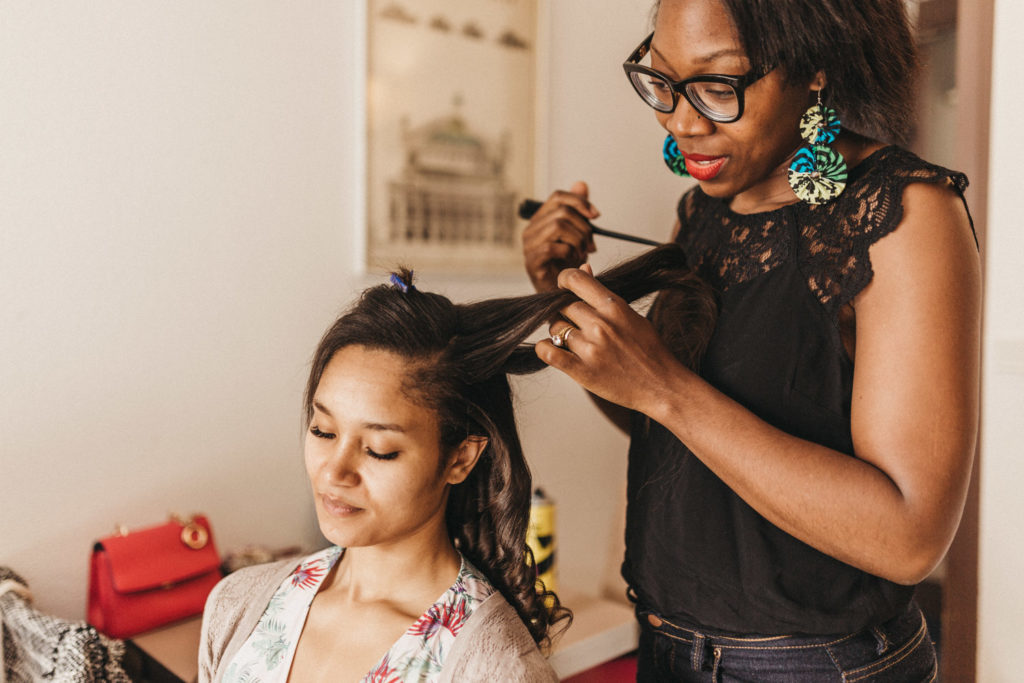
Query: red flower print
(449,615)
(308,575)
(382,673)
(427,624)
(453,615)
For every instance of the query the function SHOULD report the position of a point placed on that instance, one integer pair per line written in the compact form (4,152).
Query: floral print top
(417,656)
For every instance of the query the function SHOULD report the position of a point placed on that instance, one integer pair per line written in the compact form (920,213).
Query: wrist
(670,405)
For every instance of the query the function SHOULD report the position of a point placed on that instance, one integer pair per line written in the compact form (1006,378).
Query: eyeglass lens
(715,100)
(718,100)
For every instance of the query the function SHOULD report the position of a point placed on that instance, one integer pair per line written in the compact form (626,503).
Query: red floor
(621,670)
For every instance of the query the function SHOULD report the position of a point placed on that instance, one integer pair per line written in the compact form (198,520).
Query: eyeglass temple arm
(529,207)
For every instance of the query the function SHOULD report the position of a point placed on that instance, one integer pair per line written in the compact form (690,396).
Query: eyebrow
(710,57)
(373,426)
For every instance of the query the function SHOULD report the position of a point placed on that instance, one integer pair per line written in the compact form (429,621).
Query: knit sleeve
(232,610)
(495,640)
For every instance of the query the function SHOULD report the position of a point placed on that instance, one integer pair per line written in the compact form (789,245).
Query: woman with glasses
(785,497)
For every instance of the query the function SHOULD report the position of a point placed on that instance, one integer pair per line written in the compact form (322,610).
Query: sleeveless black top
(695,552)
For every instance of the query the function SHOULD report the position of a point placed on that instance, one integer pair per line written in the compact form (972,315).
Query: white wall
(175,217)
(597,127)
(178,182)
(1001,561)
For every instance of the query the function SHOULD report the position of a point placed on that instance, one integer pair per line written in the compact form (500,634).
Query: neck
(774,192)
(771,193)
(424,563)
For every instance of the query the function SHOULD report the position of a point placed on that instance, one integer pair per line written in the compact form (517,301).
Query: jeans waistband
(897,629)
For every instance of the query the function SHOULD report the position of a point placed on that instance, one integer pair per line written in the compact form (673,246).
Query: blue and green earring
(673,157)
(818,172)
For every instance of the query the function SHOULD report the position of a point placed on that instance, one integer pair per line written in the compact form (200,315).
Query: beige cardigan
(493,639)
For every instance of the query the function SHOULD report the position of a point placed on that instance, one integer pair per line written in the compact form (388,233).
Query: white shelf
(601,631)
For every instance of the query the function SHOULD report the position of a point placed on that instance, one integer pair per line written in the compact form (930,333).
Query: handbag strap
(12,586)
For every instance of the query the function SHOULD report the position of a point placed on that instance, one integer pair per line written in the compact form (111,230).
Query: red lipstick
(702,166)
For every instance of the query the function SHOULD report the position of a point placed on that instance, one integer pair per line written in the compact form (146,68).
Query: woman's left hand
(610,350)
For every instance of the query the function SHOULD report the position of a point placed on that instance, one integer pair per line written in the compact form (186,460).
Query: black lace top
(695,551)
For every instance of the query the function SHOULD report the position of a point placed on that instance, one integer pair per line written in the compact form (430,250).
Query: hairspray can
(540,537)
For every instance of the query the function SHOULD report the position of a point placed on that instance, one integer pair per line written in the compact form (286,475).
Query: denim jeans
(897,651)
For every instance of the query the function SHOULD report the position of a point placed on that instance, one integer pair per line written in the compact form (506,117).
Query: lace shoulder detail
(834,241)
(830,241)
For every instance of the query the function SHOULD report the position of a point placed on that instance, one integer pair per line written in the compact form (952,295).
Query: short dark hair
(865,47)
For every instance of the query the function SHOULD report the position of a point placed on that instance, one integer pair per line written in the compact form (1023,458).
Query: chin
(344,538)
(718,190)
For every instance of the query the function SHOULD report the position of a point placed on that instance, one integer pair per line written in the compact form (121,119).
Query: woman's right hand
(558,236)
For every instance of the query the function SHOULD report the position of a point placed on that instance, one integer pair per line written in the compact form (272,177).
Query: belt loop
(881,641)
(697,655)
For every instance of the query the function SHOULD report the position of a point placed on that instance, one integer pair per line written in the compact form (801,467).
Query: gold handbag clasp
(194,536)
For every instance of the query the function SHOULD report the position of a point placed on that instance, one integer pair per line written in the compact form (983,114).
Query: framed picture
(451,139)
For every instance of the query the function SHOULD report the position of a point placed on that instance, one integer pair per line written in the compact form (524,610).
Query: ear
(819,81)
(464,458)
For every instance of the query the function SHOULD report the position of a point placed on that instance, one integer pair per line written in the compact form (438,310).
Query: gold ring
(561,339)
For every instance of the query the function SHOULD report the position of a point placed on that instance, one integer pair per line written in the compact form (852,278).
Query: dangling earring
(674,159)
(818,172)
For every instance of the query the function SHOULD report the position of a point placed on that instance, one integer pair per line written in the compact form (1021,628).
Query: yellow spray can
(540,537)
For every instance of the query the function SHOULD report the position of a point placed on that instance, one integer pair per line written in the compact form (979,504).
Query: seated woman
(419,481)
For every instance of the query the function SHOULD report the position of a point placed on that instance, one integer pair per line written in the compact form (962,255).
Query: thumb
(580,188)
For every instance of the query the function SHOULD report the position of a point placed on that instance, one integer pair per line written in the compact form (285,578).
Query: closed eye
(721,93)
(315,431)
(381,456)
(657,85)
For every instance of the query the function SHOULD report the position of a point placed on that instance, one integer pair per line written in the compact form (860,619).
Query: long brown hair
(462,355)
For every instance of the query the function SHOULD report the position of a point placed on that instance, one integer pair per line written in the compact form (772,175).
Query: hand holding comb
(530,206)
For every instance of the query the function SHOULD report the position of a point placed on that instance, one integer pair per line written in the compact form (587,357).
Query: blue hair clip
(397,281)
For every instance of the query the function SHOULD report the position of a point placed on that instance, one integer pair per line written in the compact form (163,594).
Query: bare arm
(893,509)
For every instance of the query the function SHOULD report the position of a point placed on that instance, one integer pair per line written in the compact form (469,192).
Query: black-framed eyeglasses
(716,96)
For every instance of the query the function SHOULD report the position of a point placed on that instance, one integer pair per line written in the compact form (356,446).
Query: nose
(342,467)
(686,122)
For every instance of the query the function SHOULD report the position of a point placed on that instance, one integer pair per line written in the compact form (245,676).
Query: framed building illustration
(450,132)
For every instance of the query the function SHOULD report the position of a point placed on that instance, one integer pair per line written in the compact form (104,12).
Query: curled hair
(865,47)
(461,356)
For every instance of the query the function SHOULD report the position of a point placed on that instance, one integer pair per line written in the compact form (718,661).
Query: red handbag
(143,579)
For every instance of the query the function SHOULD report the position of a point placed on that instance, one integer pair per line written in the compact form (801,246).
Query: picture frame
(452,110)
